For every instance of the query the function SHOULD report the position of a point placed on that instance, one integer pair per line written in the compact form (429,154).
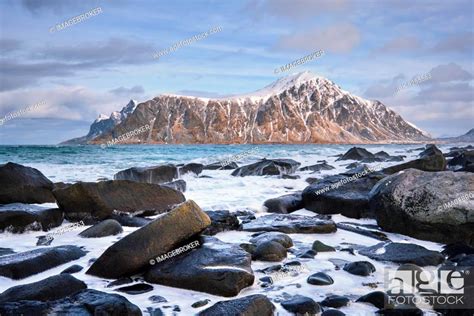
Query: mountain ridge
(300,108)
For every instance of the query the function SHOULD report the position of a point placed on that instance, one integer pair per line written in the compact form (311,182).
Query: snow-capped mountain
(300,108)
(466,138)
(104,124)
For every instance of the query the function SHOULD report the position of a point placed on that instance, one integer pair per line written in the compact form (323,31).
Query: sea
(219,190)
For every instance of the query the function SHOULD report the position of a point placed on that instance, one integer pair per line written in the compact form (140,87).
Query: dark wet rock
(401,310)
(250,248)
(362,268)
(332,312)
(455,249)
(20,218)
(23,264)
(157,299)
(218,166)
(378,298)
(311,180)
(49,289)
(157,174)
(320,278)
(301,305)
(431,159)
(136,289)
(108,227)
(6,251)
(221,221)
(290,176)
(133,252)
(99,200)
(45,240)
(280,238)
(178,185)
(285,204)
(195,168)
(356,153)
(291,224)
(269,251)
(403,253)
(386,157)
(257,304)
(268,167)
(423,205)
(72,269)
(336,194)
(354,165)
(205,177)
(83,303)
(462,162)
(120,281)
(155,311)
(20,184)
(129,220)
(216,267)
(335,301)
(317,167)
(60,185)
(319,246)
(200,303)
(355,228)
(308,254)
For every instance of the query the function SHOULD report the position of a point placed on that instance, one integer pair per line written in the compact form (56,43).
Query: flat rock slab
(50,289)
(99,200)
(215,267)
(291,224)
(20,184)
(133,252)
(21,265)
(257,304)
(83,303)
(403,253)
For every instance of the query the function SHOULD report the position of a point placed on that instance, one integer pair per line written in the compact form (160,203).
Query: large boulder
(341,194)
(221,220)
(317,167)
(20,184)
(403,253)
(268,167)
(462,162)
(133,252)
(434,206)
(49,289)
(291,224)
(178,185)
(251,305)
(98,200)
(218,166)
(21,265)
(17,218)
(431,159)
(215,267)
(157,174)
(356,153)
(285,204)
(195,168)
(83,303)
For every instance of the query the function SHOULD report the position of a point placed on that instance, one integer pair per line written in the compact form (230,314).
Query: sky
(97,65)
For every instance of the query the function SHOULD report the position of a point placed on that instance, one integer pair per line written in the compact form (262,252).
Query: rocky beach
(287,230)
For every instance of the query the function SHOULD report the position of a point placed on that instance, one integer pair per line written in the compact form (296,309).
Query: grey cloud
(448,93)
(459,43)
(449,72)
(122,91)
(57,6)
(385,88)
(401,44)
(337,38)
(8,45)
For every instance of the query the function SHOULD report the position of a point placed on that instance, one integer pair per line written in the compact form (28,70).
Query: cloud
(401,44)
(458,43)
(8,45)
(296,9)
(384,88)
(449,72)
(37,7)
(337,38)
(122,91)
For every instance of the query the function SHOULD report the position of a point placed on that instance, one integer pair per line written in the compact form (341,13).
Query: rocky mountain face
(301,108)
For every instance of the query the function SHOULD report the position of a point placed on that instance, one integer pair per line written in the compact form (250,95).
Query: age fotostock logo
(443,287)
